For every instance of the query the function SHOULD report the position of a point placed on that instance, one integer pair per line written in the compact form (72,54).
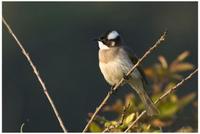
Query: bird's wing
(134,59)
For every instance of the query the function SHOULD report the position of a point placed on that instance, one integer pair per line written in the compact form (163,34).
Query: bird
(115,60)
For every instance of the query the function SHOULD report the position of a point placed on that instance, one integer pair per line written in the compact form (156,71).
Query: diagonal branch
(37,75)
(169,91)
(159,41)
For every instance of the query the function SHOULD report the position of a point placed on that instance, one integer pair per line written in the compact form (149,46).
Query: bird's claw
(112,87)
(126,77)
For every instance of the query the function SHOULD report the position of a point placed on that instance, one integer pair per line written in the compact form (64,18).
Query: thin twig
(37,75)
(169,91)
(21,127)
(159,41)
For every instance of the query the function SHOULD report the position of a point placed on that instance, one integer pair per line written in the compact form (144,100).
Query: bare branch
(21,127)
(169,91)
(37,75)
(159,41)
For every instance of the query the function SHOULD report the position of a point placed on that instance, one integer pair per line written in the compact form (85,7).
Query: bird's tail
(149,105)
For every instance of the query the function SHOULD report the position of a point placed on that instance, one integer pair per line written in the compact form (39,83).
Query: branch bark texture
(36,72)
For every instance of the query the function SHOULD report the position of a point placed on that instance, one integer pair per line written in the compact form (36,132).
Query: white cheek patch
(102,46)
(113,35)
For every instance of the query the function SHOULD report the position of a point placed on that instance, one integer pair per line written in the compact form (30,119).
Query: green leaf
(129,118)
(168,109)
(94,127)
(163,62)
(113,122)
(185,129)
(182,56)
(130,101)
(149,72)
(181,67)
(186,99)
(155,96)
(146,127)
(176,76)
(116,107)
(107,124)
(170,85)
(158,130)
(173,98)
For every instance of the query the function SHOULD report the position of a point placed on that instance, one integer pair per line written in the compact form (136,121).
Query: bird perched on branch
(115,60)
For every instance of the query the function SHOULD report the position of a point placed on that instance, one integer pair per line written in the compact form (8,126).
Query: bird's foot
(126,77)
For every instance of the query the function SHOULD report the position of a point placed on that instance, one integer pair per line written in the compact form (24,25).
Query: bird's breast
(114,63)
(114,70)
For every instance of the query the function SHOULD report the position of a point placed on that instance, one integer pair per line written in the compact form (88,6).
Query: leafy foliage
(163,76)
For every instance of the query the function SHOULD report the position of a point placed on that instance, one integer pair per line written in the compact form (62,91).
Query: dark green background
(58,36)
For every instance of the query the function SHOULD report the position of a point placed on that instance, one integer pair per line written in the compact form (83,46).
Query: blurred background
(59,38)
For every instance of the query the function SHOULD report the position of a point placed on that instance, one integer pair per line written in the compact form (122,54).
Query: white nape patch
(113,35)
(102,46)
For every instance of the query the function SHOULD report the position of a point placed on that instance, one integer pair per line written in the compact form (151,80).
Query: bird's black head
(110,38)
